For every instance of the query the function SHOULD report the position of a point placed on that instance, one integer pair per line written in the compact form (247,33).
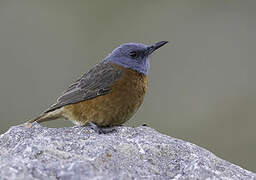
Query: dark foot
(100,130)
(144,125)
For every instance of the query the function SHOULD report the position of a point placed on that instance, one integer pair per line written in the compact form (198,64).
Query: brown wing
(96,82)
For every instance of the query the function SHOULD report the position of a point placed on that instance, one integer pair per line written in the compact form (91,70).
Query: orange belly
(114,108)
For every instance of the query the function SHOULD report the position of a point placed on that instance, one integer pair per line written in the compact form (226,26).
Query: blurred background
(202,86)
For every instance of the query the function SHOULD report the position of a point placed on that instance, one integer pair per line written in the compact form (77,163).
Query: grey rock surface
(128,153)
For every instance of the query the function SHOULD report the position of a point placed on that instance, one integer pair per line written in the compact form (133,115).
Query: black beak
(156,46)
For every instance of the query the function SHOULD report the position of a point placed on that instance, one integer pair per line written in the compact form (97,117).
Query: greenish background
(202,85)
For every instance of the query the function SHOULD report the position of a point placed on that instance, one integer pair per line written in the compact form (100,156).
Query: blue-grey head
(134,55)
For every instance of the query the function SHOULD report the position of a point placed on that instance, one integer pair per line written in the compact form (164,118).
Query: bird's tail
(49,116)
(38,119)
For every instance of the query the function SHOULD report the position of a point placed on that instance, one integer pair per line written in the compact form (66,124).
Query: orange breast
(114,108)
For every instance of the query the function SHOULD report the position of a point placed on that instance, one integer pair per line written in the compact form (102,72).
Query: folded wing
(96,82)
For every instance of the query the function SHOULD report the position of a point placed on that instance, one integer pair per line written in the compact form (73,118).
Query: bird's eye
(133,54)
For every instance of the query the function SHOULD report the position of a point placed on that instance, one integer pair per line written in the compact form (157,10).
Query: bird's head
(134,55)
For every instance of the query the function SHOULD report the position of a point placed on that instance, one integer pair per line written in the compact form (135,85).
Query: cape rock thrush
(109,93)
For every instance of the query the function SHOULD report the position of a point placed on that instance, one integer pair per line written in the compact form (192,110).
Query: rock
(128,153)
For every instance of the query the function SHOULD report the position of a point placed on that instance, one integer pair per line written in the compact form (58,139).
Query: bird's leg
(99,129)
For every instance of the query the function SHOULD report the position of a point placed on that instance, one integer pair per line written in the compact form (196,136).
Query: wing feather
(96,82)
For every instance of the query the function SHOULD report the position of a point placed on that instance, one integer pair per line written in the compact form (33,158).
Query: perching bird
(109,93)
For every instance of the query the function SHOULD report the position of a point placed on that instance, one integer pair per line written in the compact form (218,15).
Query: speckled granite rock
(129,153)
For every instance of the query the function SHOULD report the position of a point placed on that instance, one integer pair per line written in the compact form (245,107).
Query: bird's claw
(100,130)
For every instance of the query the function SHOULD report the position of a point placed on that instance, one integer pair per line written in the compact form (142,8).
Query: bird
(109,94)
